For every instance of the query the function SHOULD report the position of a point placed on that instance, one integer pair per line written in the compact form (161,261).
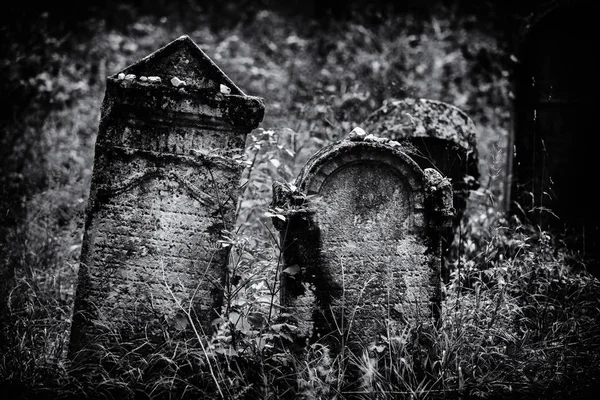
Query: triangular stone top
(184,60)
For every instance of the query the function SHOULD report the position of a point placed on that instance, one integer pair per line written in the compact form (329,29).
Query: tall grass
(519,319)
(517,322)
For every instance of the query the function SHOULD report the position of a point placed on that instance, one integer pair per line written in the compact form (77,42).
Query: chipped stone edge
(467,140)
(238,110)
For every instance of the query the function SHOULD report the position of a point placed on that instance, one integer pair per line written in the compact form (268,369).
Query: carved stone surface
(363,241)
(164,187)
(442,136)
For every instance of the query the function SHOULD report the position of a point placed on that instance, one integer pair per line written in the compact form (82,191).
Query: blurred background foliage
(321,66)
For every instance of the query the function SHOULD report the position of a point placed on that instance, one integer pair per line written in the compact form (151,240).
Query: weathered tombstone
(362,241)
(442,136)
(554,146)
(164,187)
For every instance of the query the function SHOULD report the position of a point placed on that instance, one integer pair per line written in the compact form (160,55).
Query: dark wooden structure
(554,164)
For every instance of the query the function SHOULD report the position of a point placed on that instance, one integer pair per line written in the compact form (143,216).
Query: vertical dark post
(555,140)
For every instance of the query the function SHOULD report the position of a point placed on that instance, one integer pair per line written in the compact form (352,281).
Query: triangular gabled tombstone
(165,185)
(183,58)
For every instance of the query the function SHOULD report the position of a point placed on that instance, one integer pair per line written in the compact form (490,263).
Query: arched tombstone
(361,243)
(554,143)
(439,136)
(164,187)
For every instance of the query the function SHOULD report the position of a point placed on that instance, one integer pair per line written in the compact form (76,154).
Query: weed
(517,319)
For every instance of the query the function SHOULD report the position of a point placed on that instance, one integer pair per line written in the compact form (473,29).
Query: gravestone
(165,184)
(362,241)
(554,146)
(441,136)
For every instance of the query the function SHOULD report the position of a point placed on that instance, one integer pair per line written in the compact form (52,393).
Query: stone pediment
(184,60)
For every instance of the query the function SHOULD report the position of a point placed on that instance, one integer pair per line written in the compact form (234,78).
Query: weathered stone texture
(164,187)
(442,136)
(360,232)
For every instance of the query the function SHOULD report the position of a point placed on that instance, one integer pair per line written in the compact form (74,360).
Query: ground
(321,71)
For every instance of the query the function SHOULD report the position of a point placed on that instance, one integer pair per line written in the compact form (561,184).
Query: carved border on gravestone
(443,137)
(165,185)
(305,293)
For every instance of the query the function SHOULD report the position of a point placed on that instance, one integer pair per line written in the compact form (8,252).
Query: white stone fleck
(224,89)
(357,134)
(175,81)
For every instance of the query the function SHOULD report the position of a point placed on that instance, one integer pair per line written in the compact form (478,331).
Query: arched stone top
(368,237)
(334,157)
(412,118)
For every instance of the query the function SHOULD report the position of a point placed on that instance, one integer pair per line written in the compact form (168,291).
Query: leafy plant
(520,315)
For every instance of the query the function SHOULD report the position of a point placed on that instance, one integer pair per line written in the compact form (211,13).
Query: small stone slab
(443,137)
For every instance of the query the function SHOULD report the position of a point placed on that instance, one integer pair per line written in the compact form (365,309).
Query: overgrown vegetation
(521,317)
